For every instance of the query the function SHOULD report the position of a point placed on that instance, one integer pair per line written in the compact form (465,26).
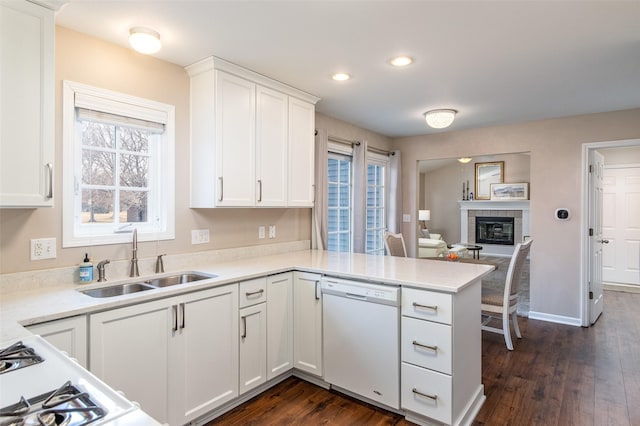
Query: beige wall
(347,131)
(556,151)
(441,189)
(87,60)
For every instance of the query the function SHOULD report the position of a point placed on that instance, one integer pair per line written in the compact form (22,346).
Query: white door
(596,176)
(307,323)
(279,324)
(621,225)
(253,346)
(301,153)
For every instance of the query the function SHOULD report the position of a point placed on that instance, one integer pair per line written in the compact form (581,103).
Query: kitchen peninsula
(437,299)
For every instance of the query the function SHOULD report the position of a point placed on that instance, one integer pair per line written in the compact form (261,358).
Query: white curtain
(319,211)
(394,205)
(359,197)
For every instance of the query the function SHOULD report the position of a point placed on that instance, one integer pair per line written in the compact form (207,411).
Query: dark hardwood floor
(557,375)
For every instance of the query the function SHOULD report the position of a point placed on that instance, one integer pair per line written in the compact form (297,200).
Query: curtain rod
(357,143)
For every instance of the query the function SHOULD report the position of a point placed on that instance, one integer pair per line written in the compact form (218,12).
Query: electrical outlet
(406,218)
(199,236)
(260,232)
(43,248)
(272,231)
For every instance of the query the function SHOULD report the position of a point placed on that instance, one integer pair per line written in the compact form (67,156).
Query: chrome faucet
(101,270)
(159,263)
(134,258)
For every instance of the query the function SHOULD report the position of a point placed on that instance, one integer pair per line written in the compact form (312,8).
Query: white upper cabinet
(252,142)
(27,100)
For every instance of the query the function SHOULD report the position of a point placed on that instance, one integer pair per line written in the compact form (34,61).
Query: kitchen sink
(177,279)
(150,284)
(118,290)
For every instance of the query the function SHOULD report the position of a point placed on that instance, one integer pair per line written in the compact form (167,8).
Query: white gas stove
(39,385)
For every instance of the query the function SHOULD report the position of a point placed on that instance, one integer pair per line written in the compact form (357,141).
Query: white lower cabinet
(279,324)
(307,323)
(67,334)
(441,356)
(253,346)
(177,357)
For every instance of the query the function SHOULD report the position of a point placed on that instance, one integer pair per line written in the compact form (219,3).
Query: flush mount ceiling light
(440,118)
(401,61)
(341,76)
(144,40)
(464,160)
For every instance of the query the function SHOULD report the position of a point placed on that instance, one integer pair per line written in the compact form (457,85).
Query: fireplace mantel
(494,205)
(516,205)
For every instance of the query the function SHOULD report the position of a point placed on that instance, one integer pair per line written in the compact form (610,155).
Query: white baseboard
(576,322)
(627,288)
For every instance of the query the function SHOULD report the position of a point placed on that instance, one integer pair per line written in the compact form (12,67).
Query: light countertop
(26,305)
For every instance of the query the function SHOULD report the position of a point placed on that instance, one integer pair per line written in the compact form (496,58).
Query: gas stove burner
(66,406)
(17,356)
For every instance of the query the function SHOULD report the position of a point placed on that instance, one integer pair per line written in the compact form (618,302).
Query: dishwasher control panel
(373,293)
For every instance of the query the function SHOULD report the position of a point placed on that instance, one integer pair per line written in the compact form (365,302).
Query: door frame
(584,219)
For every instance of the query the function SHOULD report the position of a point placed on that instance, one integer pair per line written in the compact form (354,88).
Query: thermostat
(563,214)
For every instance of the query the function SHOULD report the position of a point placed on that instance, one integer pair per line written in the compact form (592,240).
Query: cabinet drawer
(426,344)
(427,305)
(253,291)
(427,393)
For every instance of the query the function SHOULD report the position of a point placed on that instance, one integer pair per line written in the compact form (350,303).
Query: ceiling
(495,62)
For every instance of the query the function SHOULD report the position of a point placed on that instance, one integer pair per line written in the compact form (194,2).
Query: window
(339,202)
(376,223)
(120,176)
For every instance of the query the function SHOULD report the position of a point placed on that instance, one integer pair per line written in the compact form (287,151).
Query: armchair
(435,246)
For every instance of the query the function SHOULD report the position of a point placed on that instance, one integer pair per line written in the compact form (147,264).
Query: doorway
(591,210)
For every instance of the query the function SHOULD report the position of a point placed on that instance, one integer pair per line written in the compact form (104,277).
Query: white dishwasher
(361,323)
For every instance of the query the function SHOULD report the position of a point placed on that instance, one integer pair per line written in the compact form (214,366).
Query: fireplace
(495,230)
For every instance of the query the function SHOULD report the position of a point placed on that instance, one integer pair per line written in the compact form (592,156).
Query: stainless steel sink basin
(177,279)
(118,290)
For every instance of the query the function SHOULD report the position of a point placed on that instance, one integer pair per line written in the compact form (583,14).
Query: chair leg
(506,331)
(516,327)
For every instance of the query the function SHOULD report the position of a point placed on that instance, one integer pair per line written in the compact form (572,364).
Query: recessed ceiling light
(341,76)
(401,61)
(144,40)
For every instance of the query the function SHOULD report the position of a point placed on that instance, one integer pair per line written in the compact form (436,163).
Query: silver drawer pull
(417,305)
(252,293)
(431,397)
(431,348)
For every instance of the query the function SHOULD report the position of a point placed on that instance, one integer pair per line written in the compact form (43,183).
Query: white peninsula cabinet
(67,334)
(177,357)
(307,319)
(441,356)
(27,106)
(252,139)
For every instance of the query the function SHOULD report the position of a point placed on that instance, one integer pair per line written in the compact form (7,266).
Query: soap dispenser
(86,270)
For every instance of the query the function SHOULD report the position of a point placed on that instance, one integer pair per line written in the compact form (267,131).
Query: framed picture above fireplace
(487,174)
(510,191)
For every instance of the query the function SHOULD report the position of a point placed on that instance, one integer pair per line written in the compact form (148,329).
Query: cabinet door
(253,346)
(235,140)
(271,147)
(26,108)
(301,153)
(307,314)
(204,353)
(68,334)
(130,352)
(279,324)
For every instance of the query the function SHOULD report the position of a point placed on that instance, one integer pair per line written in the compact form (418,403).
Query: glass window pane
(98,167)
(97,206)
(134,170)
(133,206)
(135,140)
(99,135)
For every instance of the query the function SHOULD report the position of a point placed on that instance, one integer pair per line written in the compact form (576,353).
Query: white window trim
(138,108)
(341,151)
(382,160)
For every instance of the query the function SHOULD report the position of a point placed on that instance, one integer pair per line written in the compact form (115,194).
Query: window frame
(341,152)
(161,173)
(381,161)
